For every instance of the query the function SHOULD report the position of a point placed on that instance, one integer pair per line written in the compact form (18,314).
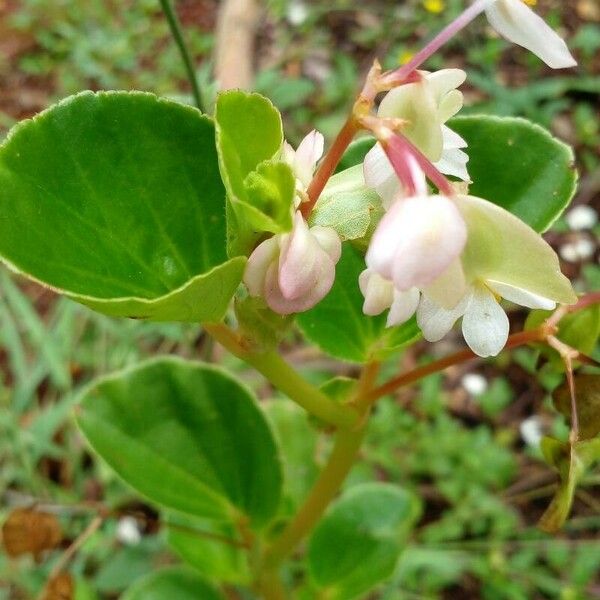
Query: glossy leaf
(170,583)
(355,153)
(115,200)
(260,188)
(187,436)
(347,205)
(519,166)
(359,540)
(338,326)
(212,548)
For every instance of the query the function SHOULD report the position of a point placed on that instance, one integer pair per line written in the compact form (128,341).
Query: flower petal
(416,103)
(454,161)
(329,240)
(485,324)
(503,249)
(403,307)
(434,321)
(449,105)
(513,20)
(259,262)
(380,175)
(448,289)
(308,154)
(299,260)
(445,80)
(520,296)
(377,291)
(324,275)
(430,235)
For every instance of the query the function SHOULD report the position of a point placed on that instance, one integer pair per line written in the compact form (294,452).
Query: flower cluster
(443,255)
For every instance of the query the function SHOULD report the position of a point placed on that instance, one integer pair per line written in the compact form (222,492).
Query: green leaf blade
(172,582)
(113,198)
(519,166)
(188,437)
(338,326)
(358,542)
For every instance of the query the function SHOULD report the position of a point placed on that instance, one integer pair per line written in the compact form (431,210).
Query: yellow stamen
(530,2)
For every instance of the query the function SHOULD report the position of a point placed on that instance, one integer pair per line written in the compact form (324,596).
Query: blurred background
(466,441)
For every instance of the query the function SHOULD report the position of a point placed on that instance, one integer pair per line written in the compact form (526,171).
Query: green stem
(176,32)
(341,460)
(285,378)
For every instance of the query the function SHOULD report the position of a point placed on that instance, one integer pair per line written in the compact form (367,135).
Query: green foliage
(359,540)
(212,548)
(338,326)
(541,167)
(347,205)
(193,426)
(81,215)
(298,442)
(260,190)
(172,582)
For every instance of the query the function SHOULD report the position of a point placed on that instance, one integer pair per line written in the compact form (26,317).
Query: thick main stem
(286,379)
(341,460)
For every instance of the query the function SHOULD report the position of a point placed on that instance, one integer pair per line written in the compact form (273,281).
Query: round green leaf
(519,166)
(358,542)
(170,583)
(187,436)
(260,187)
(115,199)
(338,326)
(204,545)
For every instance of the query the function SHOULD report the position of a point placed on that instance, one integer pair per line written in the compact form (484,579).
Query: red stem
(329,164)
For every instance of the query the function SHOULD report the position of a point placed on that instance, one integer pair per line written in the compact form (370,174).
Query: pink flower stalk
(294,271)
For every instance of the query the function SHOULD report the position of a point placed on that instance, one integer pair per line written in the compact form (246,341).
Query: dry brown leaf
(28,531)
(60,587)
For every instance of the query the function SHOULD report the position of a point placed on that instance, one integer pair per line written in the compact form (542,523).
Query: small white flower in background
(503,257)
(426,105)
(516,22)
(531,431)
(294,271)
(581,217)
(297,13)
(303,161)
(578,250)
(475,384)
(128,531)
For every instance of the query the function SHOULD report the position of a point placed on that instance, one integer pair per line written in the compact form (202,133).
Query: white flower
(582,217)
(294,271)
(504,258)
(416,241)
(303,161)
(380,295)
(426,105)
(516,22)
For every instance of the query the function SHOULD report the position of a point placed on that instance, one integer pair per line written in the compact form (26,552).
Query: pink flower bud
(294,271)
(416,240)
